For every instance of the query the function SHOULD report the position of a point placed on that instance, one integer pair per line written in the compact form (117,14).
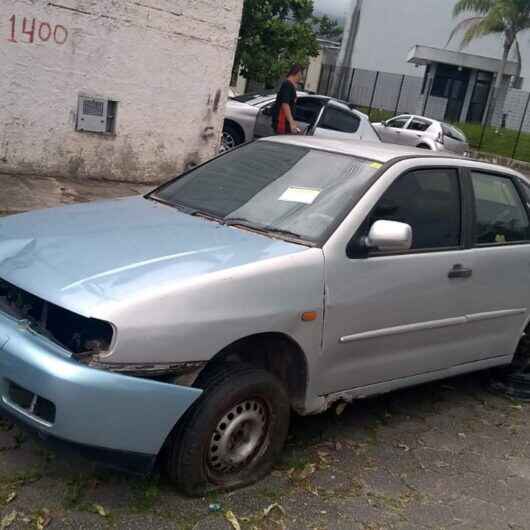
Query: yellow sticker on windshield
(301,195)
(376,165)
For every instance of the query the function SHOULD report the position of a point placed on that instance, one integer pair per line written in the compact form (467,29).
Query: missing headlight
(80,335)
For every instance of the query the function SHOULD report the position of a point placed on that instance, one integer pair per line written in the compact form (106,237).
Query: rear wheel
(232,436)
(514,380)
(231,138)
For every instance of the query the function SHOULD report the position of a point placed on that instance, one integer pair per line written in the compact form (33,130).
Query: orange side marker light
(309,316)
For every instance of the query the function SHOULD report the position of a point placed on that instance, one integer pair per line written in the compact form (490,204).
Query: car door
(263,127)
(337,123)
(500,264)
(395,316)
(414,131)
(307,112)
(391,131)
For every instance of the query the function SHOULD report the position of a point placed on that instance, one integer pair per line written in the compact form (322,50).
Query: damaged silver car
(289,274)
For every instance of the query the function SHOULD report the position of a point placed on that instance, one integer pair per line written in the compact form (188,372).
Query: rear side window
(398,123)
(429,201)
(419,125)
(338,120)
(500,214)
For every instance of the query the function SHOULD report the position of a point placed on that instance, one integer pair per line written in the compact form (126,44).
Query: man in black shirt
(282,117)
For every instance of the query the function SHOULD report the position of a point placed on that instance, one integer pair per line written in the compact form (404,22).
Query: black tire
(232,137)
(253,406)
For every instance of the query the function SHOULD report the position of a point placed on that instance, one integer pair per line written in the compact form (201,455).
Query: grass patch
(498,141)
(146,495)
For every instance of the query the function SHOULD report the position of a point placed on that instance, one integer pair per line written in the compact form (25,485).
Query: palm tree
(502,17)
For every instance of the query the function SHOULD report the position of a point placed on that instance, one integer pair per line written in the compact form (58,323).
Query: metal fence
(382,95)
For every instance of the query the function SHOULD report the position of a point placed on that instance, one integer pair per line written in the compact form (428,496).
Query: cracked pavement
(446,455)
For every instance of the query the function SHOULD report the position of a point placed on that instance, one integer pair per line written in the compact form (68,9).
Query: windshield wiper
(190,210)
(241,221)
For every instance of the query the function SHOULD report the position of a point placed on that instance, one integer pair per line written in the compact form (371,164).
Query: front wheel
(231,138)
(234,433)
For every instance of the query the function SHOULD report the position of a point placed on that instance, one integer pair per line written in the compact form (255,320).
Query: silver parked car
(250,116)
(291,273)
(418,131)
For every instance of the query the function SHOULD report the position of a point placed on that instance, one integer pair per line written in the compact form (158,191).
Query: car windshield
(297,192)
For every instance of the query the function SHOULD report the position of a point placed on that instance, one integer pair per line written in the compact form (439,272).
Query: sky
(333,7)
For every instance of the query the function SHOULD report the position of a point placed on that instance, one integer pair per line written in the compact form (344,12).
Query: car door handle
(458,271)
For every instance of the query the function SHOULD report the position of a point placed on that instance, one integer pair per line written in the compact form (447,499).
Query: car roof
(379,151)
(262,98)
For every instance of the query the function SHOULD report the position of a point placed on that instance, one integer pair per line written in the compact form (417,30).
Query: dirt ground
(448,455)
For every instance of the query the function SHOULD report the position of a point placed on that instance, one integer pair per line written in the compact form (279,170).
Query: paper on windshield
(300,195)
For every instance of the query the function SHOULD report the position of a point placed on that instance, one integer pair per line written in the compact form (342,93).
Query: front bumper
(91,408)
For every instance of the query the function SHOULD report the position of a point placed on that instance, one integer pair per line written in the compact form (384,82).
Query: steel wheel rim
(228,142)
(240,435)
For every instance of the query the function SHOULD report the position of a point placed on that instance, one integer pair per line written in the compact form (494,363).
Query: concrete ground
(447,455)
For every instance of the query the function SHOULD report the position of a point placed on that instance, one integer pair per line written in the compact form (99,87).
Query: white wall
(390,28)
(167,62)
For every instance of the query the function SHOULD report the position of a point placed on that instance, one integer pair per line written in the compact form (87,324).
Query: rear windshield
(252,98)
(275,186)
(453,133)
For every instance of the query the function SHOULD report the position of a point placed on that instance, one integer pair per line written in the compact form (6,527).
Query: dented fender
(92,407)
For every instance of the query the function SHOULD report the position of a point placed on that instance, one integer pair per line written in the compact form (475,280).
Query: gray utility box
(92,114)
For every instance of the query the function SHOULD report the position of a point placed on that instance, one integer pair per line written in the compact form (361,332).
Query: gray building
(386,40)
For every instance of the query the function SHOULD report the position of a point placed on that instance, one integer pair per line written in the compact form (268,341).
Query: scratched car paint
(184,325)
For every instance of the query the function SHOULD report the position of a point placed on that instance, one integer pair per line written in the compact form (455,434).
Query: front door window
(429,201)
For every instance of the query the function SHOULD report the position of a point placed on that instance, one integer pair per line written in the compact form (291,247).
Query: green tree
(506,18)
(328,28)
(274,35)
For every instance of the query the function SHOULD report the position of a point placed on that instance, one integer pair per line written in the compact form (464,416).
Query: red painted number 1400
(31,30)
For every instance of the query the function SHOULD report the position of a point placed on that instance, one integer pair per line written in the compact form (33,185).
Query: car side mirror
(387,236)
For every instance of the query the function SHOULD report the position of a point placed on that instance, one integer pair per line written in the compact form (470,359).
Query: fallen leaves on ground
(100,510)
(273,507)
(8,520)
(43,520)
(302,474)
(232,519)
(11,497)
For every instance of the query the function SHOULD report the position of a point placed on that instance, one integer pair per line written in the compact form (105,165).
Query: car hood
(80,257)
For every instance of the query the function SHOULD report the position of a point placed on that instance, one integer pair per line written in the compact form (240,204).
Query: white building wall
(167,63)
(388,29)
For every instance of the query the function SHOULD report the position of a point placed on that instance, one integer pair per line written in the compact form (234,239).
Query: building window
(440,87)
